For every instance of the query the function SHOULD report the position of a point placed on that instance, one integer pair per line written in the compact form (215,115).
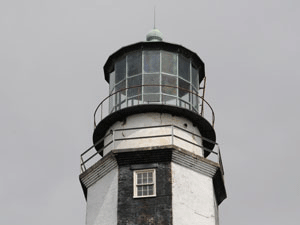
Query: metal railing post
(82,165)
(101,111)
(113,140)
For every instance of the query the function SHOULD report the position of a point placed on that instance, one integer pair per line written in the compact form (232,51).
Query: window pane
(139,178)
(184,104)
(169,81)
(120,69)
(135,100)
(169,62)
(132,82)
(151,61)
(145,178)
(184,88)
(111,81)
(121,86)
(184,68)
(111,103)
(170,100)
(151,79)
(195,78)
(134,61)
(140,190)
(151,98)
(195,99)
(144,190)
(150,189)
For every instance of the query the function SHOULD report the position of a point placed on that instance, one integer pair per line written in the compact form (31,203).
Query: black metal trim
(197,62)
(205,128)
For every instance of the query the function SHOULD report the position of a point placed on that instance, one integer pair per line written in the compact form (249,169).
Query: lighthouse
(154,159)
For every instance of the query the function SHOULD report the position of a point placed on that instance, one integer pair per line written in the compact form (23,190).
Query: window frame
(136,185)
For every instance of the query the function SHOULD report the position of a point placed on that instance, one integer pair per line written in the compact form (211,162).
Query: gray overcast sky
(51,57)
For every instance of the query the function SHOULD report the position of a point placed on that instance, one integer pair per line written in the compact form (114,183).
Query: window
(144,183)
(134,63)
(154,77)
(151,61)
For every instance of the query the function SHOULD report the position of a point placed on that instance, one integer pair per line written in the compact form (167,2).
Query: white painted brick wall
(192,197)
(102,199)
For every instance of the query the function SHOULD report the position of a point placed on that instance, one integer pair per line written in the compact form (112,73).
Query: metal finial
(154,34)
(154,18)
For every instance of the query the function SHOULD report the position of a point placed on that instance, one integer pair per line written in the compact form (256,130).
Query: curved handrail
(145,85)
(89,154)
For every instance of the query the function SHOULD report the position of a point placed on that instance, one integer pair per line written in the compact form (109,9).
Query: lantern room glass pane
(169,62)
(151,79)
(151,61)
(111,82)
(120,68)
(169,81)
(132,82)
(171,100)
(184,93)
(121,86)
(112,103)
(195,78)
(195,99)
(148,98)
(184,68)
(184,104)
(134,61)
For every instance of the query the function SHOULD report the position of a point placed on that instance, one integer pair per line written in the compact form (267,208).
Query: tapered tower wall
(150,210)
(102,200)
(193,198)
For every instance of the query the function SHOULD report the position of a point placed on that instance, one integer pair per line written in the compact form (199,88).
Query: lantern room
(154,73)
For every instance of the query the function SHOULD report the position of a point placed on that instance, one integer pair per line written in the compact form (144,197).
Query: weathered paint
(185,189)
(192,197)
(102,198)
(154,119)
(150,210)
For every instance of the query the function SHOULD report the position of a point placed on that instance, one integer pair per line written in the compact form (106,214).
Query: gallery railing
(90,156)
(196,102)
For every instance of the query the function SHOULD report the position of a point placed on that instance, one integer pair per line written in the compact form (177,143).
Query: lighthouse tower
(155,159)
